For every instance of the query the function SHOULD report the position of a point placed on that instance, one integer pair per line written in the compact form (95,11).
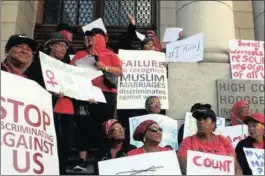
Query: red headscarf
(107,125)
(141,129)
(157,43)
(235,112)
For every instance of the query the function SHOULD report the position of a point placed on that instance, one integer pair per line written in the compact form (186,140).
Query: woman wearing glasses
(150,134)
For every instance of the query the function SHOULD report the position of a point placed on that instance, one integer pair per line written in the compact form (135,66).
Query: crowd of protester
(96,124)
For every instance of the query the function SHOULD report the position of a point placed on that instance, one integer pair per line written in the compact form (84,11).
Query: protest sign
(95,24)
(186,50)
(200,163)
(233,133)
(140,35)
(255,158)
(169,126)
(73,81)
(172,34)
(89,63)
(247,59)
(190,126)
(144,75)
(156,163)
(28,139)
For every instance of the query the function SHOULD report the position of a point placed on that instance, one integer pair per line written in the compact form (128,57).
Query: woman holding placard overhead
(205,140)
(255,140)
(150,134)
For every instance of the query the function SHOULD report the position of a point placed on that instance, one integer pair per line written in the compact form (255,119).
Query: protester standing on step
(19,54)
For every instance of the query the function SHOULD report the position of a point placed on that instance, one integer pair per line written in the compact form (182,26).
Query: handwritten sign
(172,34)
(255,158)
(95,24)
(186,50)
(169,126)
(247,59)
(28,139)
(200,163)
(190,126)
(233,133)
(71,80)
(144,75)
(157,163)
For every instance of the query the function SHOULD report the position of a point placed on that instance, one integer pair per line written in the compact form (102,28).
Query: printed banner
(144,75)
(73,81)
(233,133)
(157,163)
(186,50)
(190,126)
(247,59)
(200,163)
(28,139)
(255,158)
(169,126)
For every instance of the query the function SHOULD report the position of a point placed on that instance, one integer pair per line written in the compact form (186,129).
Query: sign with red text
(233,133)
(144,75)
(72,81)
(28,139)
(255,158)
(155,163)
(169,126)
(200,163)
(247,59)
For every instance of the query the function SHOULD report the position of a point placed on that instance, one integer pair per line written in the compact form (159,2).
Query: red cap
(255,116)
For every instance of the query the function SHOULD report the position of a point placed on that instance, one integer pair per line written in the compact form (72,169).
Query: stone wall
(16,17)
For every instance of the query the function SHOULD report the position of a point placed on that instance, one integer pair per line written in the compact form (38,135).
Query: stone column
(191,83)
(258,16)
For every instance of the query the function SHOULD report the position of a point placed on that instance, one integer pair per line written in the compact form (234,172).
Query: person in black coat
(255,139)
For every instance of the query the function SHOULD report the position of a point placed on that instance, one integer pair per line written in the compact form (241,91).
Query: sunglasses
(155,130)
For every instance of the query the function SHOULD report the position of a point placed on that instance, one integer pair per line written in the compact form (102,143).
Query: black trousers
(64,132)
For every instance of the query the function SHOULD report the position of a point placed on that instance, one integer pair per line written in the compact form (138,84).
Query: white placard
(144,75)
(95,24)
(59,77)
(140,36)
(186,50)
(247,59)
(157,163)
(172,34)
(200,163)
(89,63)
(233,133)
(169,126)
(255,158)
(28,139)
(71,56)
(190,126)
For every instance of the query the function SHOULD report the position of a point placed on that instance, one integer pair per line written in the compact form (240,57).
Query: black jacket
(247,143)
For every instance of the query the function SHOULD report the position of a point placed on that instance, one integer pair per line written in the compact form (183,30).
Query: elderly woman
(255,139)
(153,105)
(205,140)
(239,111)
(150,134)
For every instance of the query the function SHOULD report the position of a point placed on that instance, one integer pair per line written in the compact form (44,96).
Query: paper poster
(190,126)
(233,133)
(200,163)
(247,59)
(144,75)
(156,163)
(59,77)
(28,139)
(89,63)
(169,126)
(255,158)
(140,36)
(186,50)
(172,34)
(95,24)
